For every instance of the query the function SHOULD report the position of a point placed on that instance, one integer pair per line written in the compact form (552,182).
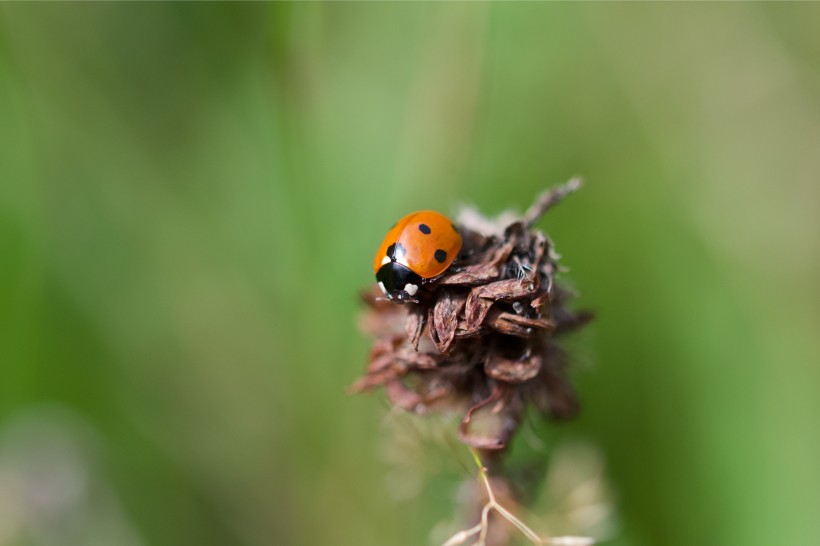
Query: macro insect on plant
(465,317)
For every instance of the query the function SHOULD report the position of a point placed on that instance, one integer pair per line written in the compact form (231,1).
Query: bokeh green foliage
(190,195)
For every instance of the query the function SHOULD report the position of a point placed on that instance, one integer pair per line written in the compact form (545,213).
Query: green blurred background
(190,196)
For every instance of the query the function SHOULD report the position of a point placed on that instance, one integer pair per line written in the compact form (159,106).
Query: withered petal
(517,325)
(414,324)
(481,298)
(402,396)
(510,416)
(444,318)
(466,332)
(507,290)
(540,244)
(512,370)
(376,378)
(538,302)
(549,198)
(416,360)
(481,271)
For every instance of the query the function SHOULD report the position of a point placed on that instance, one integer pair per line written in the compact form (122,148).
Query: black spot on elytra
(440,256)
(391,251)
(424,228)
(454,227)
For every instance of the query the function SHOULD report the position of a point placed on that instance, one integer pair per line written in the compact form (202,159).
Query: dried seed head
(480,339)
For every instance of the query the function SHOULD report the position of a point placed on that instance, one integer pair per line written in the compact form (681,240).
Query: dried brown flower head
(480,339)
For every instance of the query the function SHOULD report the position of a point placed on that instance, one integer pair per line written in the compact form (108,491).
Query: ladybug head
(398,282)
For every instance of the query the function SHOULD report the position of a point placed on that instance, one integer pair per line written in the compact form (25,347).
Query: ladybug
(420,247)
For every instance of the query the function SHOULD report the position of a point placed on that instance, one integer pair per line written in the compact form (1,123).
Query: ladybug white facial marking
(397,282)
(386,260)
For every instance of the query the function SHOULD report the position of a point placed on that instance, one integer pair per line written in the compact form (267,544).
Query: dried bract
(481,338)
